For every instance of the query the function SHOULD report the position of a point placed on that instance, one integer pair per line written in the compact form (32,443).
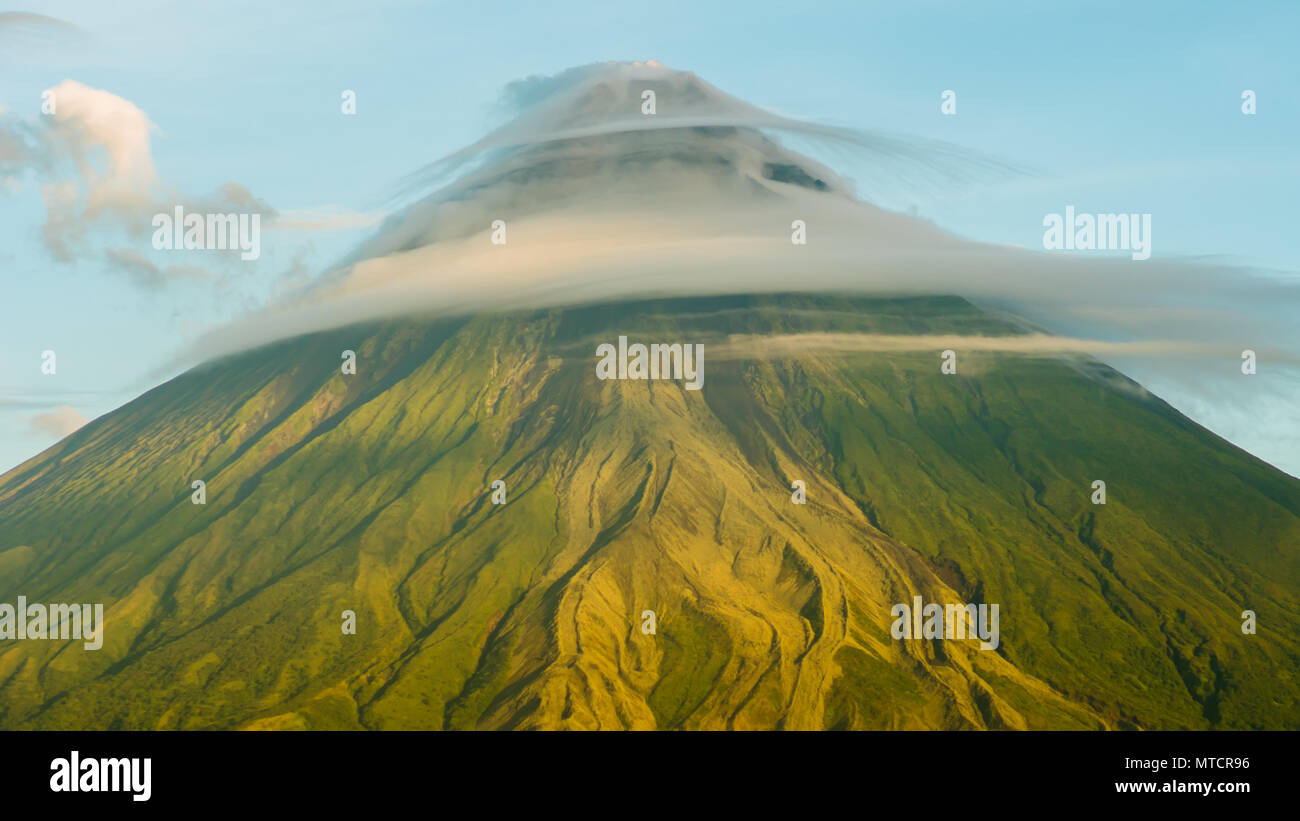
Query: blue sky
(1117,107)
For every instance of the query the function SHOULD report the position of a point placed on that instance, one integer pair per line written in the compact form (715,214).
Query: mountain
(649,563)
(372,492)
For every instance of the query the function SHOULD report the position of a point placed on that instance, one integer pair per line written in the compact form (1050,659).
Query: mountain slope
(370,492)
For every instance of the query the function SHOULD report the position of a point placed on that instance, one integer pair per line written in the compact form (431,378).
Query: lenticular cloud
(596,198)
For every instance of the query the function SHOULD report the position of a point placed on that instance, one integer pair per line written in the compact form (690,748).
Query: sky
(1112,107)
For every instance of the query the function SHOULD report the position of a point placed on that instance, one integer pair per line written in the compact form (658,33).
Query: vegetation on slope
(370,492)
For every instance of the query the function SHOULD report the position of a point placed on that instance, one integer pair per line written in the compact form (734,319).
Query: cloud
(1030,344)
(327,218)
(604,99)
(603,202)
(148,274)
(20,151)
(92,154)
(85,119)
(58,423)
(26,31)
(655,233)
(104,139)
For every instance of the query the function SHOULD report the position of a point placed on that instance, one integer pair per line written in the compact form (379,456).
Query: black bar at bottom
(637,773)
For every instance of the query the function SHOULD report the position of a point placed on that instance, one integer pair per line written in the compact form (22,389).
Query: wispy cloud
(1032,344)
(327,218)
(22,31)
(91,153)
(59,422)
(602,201)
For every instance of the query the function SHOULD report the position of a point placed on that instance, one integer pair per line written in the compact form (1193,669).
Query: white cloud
(602,202)
(100,187)
(327,218)
(59,422)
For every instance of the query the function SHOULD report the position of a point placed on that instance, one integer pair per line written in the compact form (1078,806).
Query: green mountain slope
(371,492)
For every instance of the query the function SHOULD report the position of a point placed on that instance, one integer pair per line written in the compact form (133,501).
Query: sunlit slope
(370,492)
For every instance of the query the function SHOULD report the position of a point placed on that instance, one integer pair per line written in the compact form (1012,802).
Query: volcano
(471,529)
